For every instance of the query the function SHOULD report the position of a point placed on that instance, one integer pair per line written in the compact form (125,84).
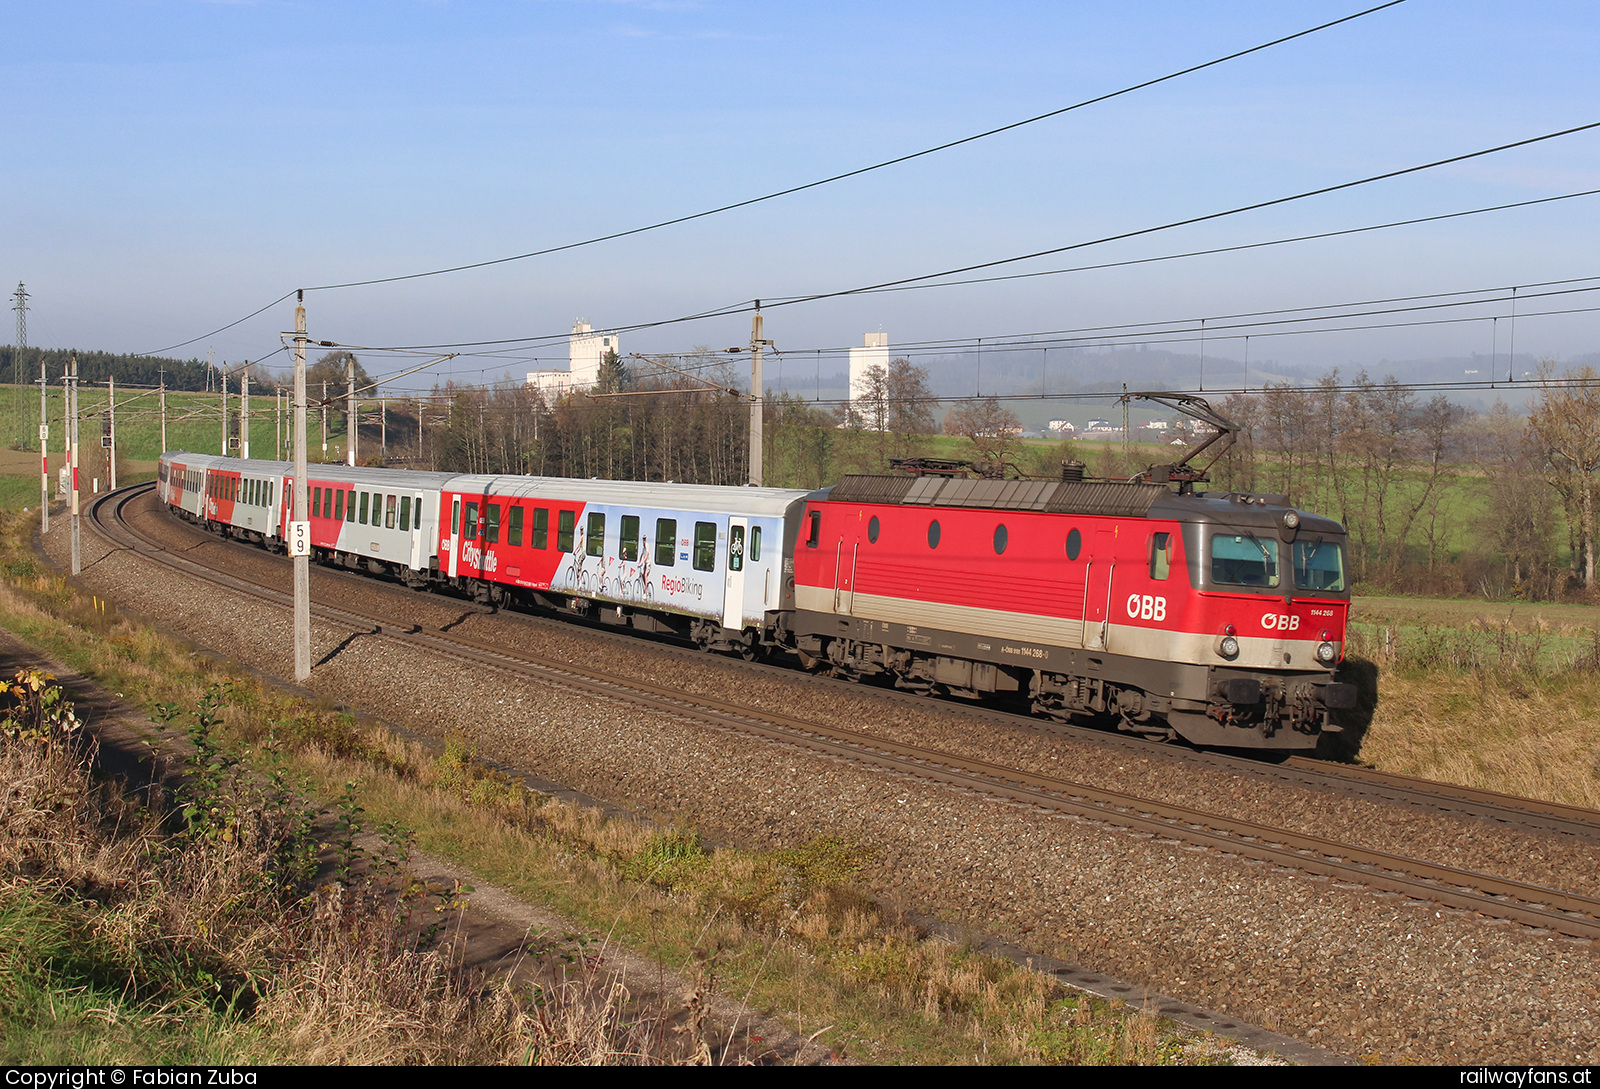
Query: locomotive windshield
(1244,560)
(1318,565)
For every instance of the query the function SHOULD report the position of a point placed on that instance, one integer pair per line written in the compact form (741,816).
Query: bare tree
(1563,429)
(909,402)
(993,428)
(1518,516)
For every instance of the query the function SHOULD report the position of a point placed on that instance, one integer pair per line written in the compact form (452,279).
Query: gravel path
(1362,974)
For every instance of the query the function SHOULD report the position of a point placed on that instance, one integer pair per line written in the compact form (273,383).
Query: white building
(874,352)
(1062,427)
(586,349)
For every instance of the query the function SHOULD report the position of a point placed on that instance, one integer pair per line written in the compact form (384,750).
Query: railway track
(1456,889)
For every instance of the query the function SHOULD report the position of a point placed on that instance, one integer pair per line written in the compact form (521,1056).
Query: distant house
(1062,427)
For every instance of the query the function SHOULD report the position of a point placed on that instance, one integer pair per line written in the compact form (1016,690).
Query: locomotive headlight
(1325,653)
(1228,645)
(1291,519)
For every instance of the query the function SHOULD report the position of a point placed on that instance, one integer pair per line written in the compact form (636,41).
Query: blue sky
(172,166)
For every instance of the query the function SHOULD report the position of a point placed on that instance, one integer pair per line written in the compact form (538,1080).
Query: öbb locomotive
(1218,619)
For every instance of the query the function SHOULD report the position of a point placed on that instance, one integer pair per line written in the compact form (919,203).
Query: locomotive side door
(1098,579)
(846,554)
(733,584)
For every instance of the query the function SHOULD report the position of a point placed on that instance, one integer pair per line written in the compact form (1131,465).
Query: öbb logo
(1145,607)
(1281,622)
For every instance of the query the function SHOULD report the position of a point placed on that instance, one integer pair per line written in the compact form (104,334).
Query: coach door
(733,584)
(449,543)
(416,534)
(1099,577)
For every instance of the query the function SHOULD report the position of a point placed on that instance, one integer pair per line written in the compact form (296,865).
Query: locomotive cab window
(1318,565)
(1244,560)
(666,541)
(1160,555)
(705,546)
(815,533)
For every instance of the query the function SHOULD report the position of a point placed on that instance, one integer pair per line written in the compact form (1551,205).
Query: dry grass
(223,925)
(1505,702)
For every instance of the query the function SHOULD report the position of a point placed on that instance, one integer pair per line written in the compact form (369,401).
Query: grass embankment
(265,964)
(1505,698)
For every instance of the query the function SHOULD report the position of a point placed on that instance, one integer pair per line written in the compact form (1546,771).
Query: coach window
(405,512)
(755,544)
(541,527)
(514,526)
(564,525)
(705,546)
(1074,544)
(366,499)
(816,529)
(469,522)
(735,548)
(350,505)
(666,541)
(999,538)
(491,524)
(596,543)
(628,547)
(1160,555)
(338,505)
(316,502)
(388,512)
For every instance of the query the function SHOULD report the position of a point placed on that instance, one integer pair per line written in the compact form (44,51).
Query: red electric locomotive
(1218,619)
